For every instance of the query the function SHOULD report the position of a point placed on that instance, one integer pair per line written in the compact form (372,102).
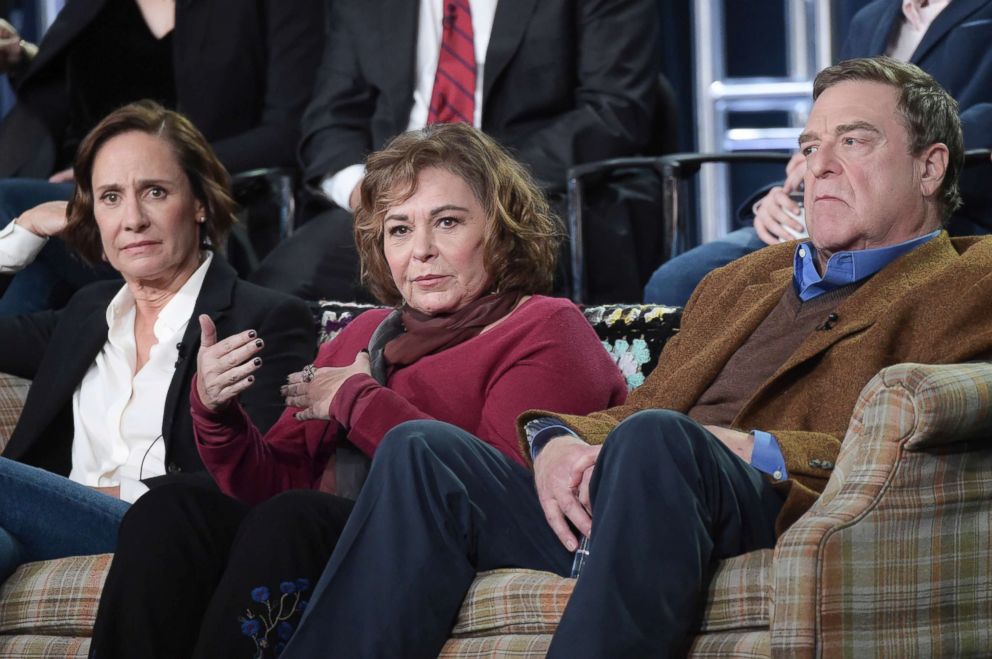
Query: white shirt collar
(173,315)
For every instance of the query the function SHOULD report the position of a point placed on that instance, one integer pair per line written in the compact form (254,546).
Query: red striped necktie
(453,97)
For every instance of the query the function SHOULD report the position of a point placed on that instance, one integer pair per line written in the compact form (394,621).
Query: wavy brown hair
(522,234)
(208,179)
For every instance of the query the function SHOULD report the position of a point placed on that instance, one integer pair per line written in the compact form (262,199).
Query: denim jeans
(56,273)
(44,516)
(674,281)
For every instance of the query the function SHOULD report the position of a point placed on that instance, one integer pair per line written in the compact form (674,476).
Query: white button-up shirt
(117,413)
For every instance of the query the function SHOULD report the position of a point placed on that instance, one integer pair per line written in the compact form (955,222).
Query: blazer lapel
(884,27)
(82,353)
(398,36)
(214,300)
(953,15)
(71,21)
(511,19)
(752,307)
(865,305)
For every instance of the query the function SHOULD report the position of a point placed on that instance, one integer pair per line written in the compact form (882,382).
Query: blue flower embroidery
(279,617)
(250,627)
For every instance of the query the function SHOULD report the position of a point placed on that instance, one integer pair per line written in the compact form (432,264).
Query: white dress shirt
(117,413)
(339,185)
(18,248)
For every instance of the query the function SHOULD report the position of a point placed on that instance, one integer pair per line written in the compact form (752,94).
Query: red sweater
(544,355)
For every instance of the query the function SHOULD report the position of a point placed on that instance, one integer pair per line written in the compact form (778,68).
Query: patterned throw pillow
(633,334)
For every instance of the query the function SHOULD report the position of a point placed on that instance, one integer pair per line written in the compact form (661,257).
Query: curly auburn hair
(522,235)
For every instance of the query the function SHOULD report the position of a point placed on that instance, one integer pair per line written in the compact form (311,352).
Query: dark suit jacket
(56,348)
(565,81)
(901,314)
(957,51)
(244,71)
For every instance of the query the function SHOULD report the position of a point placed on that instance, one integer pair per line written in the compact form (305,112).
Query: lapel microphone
(828,323)
(181,349)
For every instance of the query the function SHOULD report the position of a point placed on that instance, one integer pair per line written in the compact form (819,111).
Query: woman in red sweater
(454,234)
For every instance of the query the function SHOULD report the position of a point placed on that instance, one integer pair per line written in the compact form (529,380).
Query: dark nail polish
(257,361)
(252,334)
(251,378)
(258,343)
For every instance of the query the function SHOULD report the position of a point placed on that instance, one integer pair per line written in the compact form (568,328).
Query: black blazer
(244,71)
(56,348)
(565,82)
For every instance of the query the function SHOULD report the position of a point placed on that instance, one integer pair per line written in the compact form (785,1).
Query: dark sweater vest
(763,353)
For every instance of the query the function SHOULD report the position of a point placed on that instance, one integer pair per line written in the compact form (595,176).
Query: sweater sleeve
(292,454)
(574,376)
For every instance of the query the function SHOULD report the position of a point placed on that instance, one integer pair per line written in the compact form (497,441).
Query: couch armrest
(876,565)
(13,392)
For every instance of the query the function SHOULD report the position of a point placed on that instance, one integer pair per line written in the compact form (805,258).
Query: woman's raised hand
(313,389)
(224,369)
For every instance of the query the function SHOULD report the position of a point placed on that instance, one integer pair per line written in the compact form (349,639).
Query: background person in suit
(949,39)
(107,415)
(241,70)
(558,82)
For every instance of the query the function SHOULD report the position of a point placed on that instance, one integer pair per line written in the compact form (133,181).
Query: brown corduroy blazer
(932,306)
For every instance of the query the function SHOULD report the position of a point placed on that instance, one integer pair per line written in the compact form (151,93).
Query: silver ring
(308,372)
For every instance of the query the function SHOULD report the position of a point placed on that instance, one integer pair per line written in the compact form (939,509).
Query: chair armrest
(874,564)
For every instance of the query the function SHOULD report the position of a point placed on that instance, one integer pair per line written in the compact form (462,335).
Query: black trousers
(198,574)
(668,500)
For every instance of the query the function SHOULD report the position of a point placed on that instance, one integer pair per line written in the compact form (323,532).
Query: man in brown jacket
(731,438)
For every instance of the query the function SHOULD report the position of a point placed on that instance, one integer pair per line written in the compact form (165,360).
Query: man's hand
(741,443)
(776,210)
(315,396)
(47,219)
(224,369)
(561,473)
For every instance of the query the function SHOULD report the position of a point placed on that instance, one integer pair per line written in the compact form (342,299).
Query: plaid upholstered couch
(894,560)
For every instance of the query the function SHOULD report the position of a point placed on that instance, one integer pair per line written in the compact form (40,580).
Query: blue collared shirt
(845,268)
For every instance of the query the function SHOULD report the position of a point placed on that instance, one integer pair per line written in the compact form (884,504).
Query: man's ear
(933,166)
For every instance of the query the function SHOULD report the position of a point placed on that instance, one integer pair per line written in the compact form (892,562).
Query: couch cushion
(44,647)
(56,598)
(528,602)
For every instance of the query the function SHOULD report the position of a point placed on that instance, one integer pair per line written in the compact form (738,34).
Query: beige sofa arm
(875,566)
(13,392)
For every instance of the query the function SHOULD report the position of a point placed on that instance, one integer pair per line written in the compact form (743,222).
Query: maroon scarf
(427,334)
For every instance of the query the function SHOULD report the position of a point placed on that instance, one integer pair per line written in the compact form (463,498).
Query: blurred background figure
(946,38)
(241,70)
